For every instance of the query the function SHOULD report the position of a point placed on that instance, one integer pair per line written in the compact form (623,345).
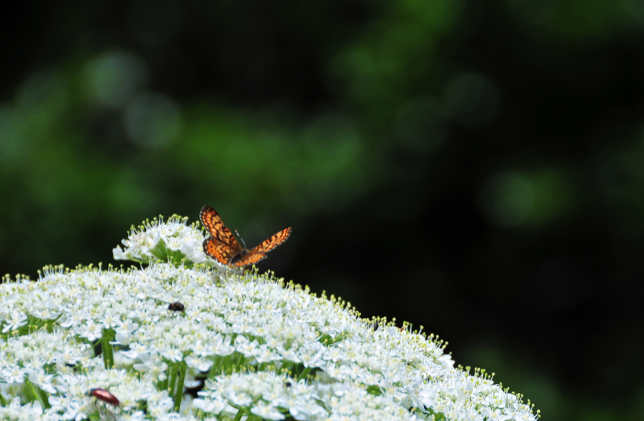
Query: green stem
(108,350)
(216,367)
(304,373)
(227,363)
(43,397)
(240,362)
(240,413)
(37,393)
(29,391)
(163,384)
(179,392)
(172,383)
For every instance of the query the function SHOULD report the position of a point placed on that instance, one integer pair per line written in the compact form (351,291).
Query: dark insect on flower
(104,395)
(176,306)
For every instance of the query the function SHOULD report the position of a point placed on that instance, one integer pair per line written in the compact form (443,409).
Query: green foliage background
(471,166)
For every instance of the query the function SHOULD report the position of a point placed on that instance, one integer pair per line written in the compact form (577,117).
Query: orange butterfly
(224,247)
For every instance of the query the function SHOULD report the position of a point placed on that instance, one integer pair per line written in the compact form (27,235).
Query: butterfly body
(224,247)
(239,256)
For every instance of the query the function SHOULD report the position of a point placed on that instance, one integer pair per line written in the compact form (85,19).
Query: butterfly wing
(259,253)
(219,250)
(215,226)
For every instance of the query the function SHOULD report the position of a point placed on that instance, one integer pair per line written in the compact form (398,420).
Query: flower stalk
(172,382)
(37,393)
(108,349)
(178,392)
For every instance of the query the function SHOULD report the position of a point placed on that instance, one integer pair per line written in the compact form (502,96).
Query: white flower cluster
(246,347)
(159,241)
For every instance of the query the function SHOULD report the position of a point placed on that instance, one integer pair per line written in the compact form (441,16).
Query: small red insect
(224,247)
(176,306)
(104,395)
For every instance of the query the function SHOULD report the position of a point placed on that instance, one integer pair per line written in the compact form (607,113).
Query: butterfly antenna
(240,237)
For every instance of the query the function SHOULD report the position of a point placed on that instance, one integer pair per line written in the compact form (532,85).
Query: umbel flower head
(94,343)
